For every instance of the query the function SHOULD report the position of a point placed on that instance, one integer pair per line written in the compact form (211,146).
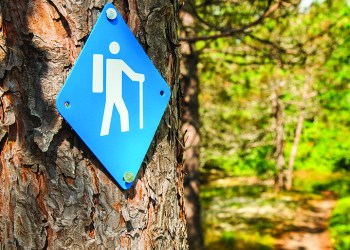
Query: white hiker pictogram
(114,86)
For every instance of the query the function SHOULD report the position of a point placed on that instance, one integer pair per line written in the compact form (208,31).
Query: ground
(245,213)
(310,226)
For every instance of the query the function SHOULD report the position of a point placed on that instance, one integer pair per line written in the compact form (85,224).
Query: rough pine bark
(54,194)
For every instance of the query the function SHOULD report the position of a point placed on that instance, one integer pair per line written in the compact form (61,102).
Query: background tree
(191,136)
(203,23)
(53,191)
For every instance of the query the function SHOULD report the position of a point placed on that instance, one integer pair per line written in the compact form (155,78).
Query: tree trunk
(190,130)
(278,128)
(53,192)
(289,173)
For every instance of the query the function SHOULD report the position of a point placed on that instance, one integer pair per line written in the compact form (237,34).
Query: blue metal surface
(114,73)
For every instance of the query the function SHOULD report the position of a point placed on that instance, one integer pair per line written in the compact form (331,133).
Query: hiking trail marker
(114,97)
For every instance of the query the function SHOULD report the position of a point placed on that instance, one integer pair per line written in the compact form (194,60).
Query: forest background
(272,82)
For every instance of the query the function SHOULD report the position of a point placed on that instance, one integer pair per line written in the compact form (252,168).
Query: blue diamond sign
(114,97)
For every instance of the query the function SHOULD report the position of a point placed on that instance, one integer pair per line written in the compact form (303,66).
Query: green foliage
(237,77)
(255,161)
(340,224)
(325,145)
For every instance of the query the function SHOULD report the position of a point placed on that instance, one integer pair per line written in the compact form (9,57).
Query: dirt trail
(309,229)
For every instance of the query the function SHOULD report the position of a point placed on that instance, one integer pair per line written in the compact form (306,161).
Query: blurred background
(266,123)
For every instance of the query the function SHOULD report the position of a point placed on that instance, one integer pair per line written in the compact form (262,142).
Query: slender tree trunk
(289,174)
(278,127)
(53,192)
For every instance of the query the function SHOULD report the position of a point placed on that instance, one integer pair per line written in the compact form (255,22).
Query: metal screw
(67,104)
(129,177)
(111,13)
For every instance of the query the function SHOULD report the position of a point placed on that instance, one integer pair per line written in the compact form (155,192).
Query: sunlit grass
(315,181)
(241,241)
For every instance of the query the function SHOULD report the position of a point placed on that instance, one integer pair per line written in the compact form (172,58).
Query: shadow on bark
(26,65)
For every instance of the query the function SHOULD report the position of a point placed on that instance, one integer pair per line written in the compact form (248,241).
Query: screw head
(111,13)
(129,177)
